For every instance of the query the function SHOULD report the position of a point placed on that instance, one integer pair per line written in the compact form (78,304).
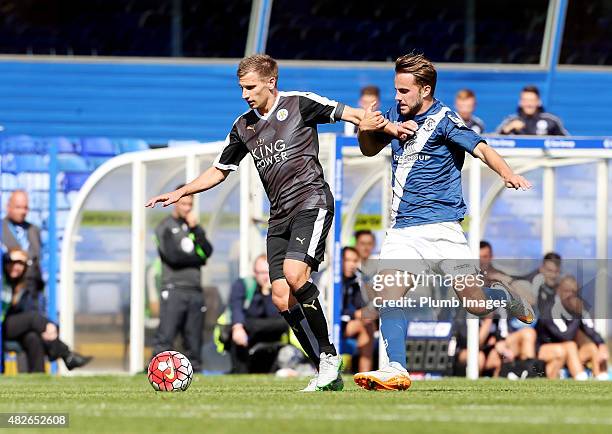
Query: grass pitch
(264,404)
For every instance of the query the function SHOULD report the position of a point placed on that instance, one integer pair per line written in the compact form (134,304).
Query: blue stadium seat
(20,144)
(94,162)
(71,163)
(9,164)
(130,145)
(74,181)
(32,163)
(98,146)
(9,181)
(64,145)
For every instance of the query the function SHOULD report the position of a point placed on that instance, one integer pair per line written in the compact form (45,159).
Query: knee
(560,353)
(570,346)
(530,334)
(295,278)
(281,301)
(31,340)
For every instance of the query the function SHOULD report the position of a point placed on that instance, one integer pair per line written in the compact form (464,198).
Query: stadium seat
(9,164)
(64,145)
(19,144)
(130,145)
(71,163)
(94,162)
(32,163)
(9,181)
(73,181)
(98,146)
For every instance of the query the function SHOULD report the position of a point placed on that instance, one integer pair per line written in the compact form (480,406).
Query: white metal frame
(68,267)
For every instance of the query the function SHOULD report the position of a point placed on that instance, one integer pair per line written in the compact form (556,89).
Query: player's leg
(398,259)
(448,241)
(305,252)
(286,303)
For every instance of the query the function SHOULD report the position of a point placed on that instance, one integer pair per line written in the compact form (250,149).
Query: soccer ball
(170,371)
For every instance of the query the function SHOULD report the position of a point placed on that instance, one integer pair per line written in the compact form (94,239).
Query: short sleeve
(319,110)
(234,150)
(460,135)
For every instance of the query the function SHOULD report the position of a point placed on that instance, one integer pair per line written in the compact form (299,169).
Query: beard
(411,111)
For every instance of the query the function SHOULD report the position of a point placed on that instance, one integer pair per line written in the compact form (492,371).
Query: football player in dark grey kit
(280,132)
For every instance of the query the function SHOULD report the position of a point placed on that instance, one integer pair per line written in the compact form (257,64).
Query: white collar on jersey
(267,115)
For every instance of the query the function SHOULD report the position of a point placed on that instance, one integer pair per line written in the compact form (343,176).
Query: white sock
(603,376)
(581,376)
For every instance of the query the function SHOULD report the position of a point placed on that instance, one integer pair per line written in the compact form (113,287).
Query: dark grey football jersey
(285,148)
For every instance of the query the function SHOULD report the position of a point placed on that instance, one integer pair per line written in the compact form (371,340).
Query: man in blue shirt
(425,237)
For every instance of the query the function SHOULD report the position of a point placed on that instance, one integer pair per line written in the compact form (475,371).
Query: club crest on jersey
(456,119)
(282,114)
(429,124)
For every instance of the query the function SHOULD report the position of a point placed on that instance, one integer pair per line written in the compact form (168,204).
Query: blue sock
(496,294)
(394,327)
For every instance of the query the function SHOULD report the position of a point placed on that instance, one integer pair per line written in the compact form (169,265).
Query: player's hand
(372,120)
(239,335)
(191,219)
(514,126)
(516,182)
(166,199)
(407,129)
(504,351)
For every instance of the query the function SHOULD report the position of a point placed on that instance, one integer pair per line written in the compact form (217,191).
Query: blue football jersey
(426,169)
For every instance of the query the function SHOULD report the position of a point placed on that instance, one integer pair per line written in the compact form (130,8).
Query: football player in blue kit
(425,235)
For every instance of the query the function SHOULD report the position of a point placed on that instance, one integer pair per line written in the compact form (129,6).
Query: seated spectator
(515,344)
(465,104)
(488,270)
(591,346)
(369,95)
(35,333)
(545,279)
(357,322)
(255,319)
(557,329)
(489,360)
(531,118)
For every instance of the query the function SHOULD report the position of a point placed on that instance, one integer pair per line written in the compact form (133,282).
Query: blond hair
(264,65)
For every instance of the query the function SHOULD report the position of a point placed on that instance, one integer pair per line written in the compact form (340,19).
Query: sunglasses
(18,261)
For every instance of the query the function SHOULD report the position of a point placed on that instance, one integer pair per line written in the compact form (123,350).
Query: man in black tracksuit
(183,249)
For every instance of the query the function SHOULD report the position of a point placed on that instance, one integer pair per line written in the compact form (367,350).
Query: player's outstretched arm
(375,131)
(492,159)
(207,180)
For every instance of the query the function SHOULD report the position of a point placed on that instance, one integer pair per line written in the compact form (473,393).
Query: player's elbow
(367,151)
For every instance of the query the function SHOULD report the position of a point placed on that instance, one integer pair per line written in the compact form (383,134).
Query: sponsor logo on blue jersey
(426,168)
